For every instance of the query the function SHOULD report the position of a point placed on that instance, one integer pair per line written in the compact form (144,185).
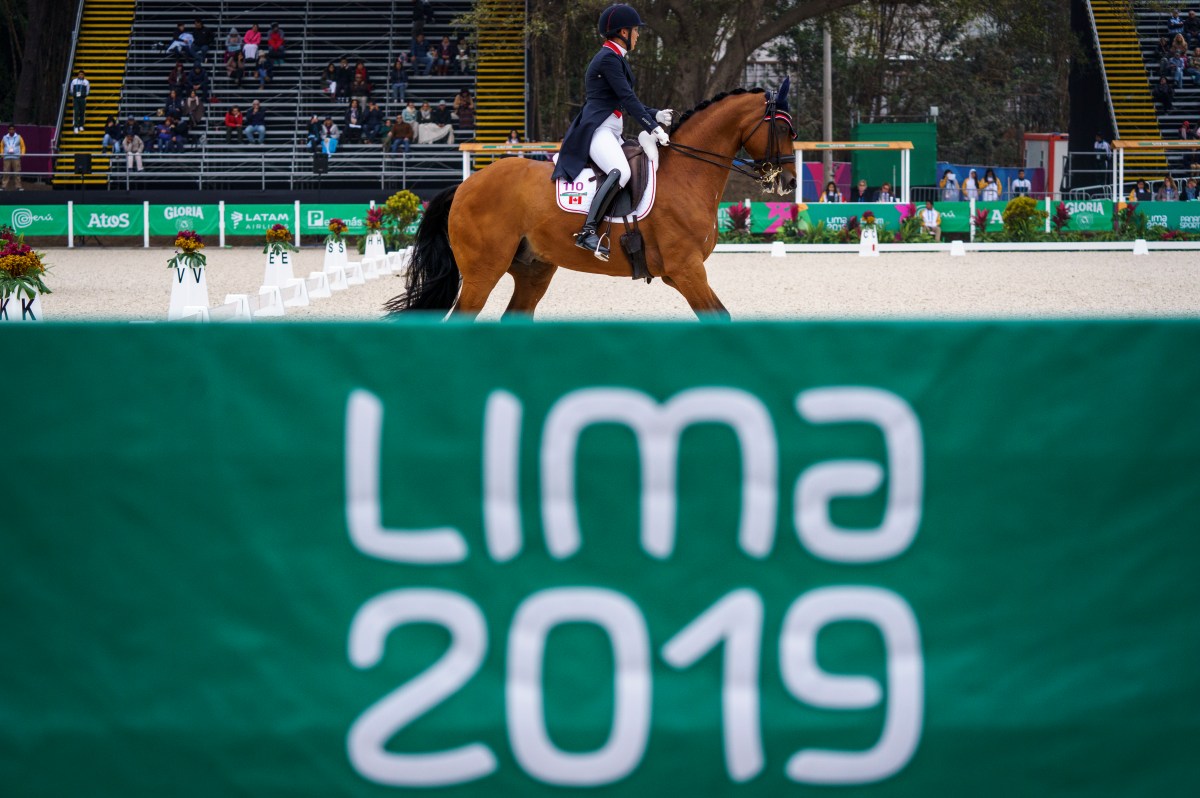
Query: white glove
(664,117)
(661,136)
(650,147)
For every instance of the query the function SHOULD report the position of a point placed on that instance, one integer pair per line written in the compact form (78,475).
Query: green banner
(35,220)
(1088,215)
(256,220)
(110,220)
(314,219)
(876,559)
(956,216)
(1184,216)
(167,220)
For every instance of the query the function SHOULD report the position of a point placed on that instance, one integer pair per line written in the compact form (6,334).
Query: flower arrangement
(279,239)
(337,228)
(374,219)
(189,243)
(1061,218)
(868,220)
(21,268)
(399,212)
(981,221)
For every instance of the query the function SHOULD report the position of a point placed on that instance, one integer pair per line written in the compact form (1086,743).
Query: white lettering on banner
(239,219)
(316,218)
(172,212)
(836,222)
(735,622)
(1157,220)
(105,222)
(24,217)
(1189,222)
(1084,206)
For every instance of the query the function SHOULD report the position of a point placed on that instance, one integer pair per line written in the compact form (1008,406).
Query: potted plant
(399,212)
(279,241)
(188,291)
(21,271)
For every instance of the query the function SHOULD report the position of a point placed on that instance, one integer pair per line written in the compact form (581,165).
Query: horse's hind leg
(693,284)
(530,282)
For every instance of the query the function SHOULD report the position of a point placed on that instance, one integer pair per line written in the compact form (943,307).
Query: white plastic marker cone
(957,249)
(270,301)
(189,289)
(374,247)
(1140,248)
(868,245)
(335,265)
(318,285)
(278,274)
(778,249)
(18,307)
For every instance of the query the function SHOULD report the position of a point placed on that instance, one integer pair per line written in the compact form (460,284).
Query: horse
(504,218)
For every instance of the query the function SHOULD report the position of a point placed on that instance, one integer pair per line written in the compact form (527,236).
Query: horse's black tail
(433,276)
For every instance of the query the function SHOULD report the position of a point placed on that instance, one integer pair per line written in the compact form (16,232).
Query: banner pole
(297,223)
(70,224)
(221,223)
(146,224)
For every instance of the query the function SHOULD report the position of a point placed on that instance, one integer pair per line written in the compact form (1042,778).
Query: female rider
(596,132)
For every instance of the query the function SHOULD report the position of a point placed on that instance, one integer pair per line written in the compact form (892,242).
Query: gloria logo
(24,217)
(105,221)
(184,212)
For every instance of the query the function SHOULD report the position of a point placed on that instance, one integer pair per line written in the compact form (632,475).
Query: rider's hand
(664,117)
(661,136)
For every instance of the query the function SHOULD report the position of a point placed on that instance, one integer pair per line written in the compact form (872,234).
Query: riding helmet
(618,16)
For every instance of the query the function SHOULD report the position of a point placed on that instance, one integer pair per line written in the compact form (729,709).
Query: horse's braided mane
(689,114)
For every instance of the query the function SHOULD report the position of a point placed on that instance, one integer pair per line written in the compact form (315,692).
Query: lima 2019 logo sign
(24,218)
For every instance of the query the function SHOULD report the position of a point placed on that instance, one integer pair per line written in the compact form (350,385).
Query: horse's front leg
(691,280)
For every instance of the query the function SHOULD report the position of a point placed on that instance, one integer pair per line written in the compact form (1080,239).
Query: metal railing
(62,105)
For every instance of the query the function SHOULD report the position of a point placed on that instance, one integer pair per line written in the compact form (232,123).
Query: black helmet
(618,16)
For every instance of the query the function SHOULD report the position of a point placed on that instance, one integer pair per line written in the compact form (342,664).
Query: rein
(764,171)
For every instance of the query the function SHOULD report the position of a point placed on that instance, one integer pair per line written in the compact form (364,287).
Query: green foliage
(1023,220)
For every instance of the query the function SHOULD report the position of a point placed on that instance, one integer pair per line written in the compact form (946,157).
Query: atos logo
(106,222)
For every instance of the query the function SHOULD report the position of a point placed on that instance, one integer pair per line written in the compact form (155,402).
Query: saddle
(628,198)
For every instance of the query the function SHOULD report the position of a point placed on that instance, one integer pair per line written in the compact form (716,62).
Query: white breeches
(605,149)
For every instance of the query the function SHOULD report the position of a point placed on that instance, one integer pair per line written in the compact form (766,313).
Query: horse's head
(771,143)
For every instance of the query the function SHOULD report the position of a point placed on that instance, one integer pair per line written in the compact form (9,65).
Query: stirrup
(599,250)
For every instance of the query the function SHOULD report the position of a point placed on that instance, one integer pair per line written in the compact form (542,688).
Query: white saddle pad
(575,196)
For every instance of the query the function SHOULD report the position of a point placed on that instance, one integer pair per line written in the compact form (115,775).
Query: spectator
(181,45)
(264,68)
(441,114)
(438,127)
(176,77)
(79,91)
(131,127)
(948,185)
(173,105)
(1140,192)
(256,124)
(831,193)
(399,136)
(14,147)
(164,133)
(409,114)
(398,79)
(1189,191)
(235,68)
(425,115)
(329,80)
(446,57)
(1164,94)
(234,126)
(931,221)
(1191,29)
(233,45)
(193,107)
(464,55)
(197,79)
(330,134)
(862,193)
(373,123)
(514,137)
(276,45)
(251,42)
(464,109)
(133,146)
(353,122)
(1179,46)
(885,194)
(419,53)
(422,12)
(360,90)
(343,76)
(112,135)
(202,41)
(1176,65)
(1175,23)
(1021,187)
(990,189)
(970,186)
(313,142)
(1167,191)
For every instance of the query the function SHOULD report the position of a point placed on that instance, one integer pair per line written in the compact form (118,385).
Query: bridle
(765,170)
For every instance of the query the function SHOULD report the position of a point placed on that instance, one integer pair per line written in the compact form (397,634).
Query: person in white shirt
(79,90)
(931,221)
(990,189)
(1021,186)
(14,147)
(970,187)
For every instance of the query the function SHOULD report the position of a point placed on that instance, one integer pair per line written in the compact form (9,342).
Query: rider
(596,131)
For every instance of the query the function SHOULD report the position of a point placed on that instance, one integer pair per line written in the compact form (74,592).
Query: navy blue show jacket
(609,84)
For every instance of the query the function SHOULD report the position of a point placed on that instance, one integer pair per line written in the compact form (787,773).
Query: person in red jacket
(235,125)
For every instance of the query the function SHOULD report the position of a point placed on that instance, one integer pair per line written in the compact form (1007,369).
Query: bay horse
(504,218)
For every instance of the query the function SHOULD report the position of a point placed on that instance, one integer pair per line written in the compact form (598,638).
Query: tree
(34,50)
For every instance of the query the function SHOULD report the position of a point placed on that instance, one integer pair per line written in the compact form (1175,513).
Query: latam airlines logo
(240,219)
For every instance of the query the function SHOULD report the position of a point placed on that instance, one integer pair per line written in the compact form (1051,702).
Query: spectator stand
(1120,148)
(904,148)
(500,150)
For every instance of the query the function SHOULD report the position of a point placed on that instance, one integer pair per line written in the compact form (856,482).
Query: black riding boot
(587,237)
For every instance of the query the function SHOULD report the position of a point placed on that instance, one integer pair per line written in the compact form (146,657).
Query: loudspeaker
(320,163)
(83,163)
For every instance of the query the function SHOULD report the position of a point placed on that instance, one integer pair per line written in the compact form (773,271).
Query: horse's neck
(715,133)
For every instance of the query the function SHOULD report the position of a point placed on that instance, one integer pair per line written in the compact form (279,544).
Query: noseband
(765,170)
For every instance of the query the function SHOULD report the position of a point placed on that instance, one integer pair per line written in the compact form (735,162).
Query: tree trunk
(38,11)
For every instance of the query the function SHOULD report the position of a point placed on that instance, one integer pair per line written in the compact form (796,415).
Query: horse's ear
(781,96)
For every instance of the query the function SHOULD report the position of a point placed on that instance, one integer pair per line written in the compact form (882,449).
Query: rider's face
(633,37)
